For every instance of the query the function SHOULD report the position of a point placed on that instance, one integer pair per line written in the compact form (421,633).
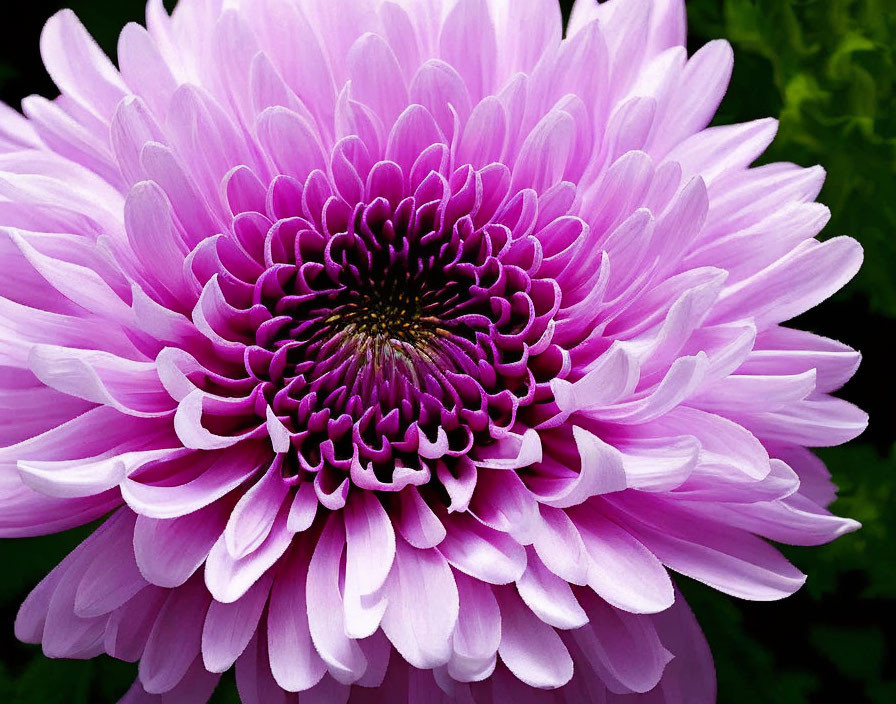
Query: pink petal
(205,137)
(719,150)
(223,472)
(780,350)
(481,552)
(143,68)
(468,43)
(129,387)
(31,620)
(78,66)
(343,657)
(601,471)
(376,77)
(196,685)
(175,639)
(417,523)
(66,136)
(88,476)
(478,633)
(530,648)
(228,628)
(622,570)
(370,543)
(112,578)
(254,681)
(439,88)
(793,284)
(814,422)
(728,559)
(228,578)
(560,547)
(483,137)
(303,509)
(624,649)
(284,134)
(295,663)
(154,240)
(702,86)
(504,503)
(414,131)
(691,675)
(549,597)
(133,126)
(423,606)
(253,516)
(78,283)
(370,551)
(129,626)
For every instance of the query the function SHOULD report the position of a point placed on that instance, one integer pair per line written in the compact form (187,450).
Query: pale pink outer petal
(423,606)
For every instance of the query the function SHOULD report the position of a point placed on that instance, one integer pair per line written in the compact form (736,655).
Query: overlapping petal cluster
(406,345)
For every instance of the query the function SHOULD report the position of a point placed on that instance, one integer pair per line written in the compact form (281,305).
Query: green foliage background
(827,69)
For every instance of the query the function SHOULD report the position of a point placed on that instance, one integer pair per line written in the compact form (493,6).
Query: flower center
(389,339)
(386,318)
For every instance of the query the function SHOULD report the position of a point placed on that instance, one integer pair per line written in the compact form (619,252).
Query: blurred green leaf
(867,494)
(856,652)
(27,561)
(748,670)
(54,682)
(833,66)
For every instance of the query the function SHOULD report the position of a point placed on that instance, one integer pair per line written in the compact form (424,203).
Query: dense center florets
(393,336)
(386,320)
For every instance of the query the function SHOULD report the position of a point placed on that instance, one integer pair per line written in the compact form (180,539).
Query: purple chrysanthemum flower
(406,347)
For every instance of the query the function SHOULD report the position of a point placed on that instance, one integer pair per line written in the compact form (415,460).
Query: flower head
(408,346)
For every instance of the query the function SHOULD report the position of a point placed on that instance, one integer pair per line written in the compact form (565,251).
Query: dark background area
(827,69)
